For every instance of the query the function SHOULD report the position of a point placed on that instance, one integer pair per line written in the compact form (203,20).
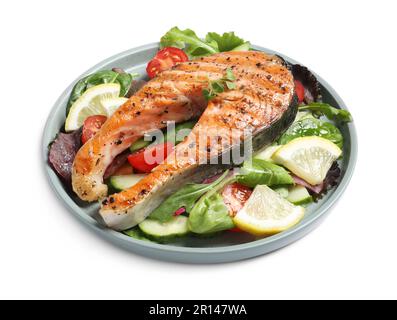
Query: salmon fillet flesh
(259,109)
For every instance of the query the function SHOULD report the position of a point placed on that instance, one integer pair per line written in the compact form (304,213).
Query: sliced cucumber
(139,144)
(179,133)
(166,231)
(299,195)
(282,191)
(136,233)
(266,154)
(121,183)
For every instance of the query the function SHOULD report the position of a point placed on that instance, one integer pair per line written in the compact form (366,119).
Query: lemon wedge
(309,158)
(112,104)
(266,212)
(95,101)
(267,153)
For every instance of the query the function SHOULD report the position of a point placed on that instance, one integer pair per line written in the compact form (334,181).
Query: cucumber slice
(121,183)
(282,191)
(299,195)
(179,133)
(159,231)
(139,144)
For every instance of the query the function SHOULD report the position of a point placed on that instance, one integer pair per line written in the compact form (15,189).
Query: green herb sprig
(216,87)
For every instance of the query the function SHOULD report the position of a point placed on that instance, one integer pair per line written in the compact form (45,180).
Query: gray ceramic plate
(222,248)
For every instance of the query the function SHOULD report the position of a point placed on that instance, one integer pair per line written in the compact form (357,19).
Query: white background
(46,253)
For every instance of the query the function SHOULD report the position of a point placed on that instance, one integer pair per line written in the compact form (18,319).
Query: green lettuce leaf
(259,172)
(189,41)
(210,215)
(327,110)
(196,47)
(227,42)
(186,197)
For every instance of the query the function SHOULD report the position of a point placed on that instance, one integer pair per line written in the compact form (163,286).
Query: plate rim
(131,243)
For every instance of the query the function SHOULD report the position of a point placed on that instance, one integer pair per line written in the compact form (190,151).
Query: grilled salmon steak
(260,108)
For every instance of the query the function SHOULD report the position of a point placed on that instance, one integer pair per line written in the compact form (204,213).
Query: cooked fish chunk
(262,104)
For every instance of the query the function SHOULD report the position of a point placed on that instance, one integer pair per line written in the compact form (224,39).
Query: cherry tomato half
(300,91)
(147,159)
(165,59)
(91,126)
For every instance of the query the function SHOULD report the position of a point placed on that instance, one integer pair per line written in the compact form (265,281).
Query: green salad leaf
(259,171)
(312,127)
(196,47)
(227,42)
(210,215)
(327,110)
(186,197)
(100,77)
(189,41)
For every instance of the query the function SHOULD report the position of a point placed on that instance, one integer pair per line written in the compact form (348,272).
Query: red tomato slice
(175,54)
(165,59)
(153,68)
(300,91)
(147,159)
(91,126)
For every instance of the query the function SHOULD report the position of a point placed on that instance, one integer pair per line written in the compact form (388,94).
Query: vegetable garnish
(339,115)
(91,126)
(100,77)
(218,86)
(156,154)
(267,213)
(260,171)
(186,197)
(312,127)
(309,158)
(210,214)
(165,59)
(300,91)
(62,153)
(196,47)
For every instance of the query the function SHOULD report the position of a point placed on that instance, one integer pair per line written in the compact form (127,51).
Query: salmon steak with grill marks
(263,103)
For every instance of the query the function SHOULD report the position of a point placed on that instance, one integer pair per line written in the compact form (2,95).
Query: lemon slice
(309,158)
(112,104)
(266,212)
(90,103)
(267,153)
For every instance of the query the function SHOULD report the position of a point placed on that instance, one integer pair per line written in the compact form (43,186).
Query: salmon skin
(263,104)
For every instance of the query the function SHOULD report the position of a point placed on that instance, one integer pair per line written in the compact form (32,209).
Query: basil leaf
(226,42)
(259,172)
(330,112)
(210,215)
(312,127)
(186,197)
